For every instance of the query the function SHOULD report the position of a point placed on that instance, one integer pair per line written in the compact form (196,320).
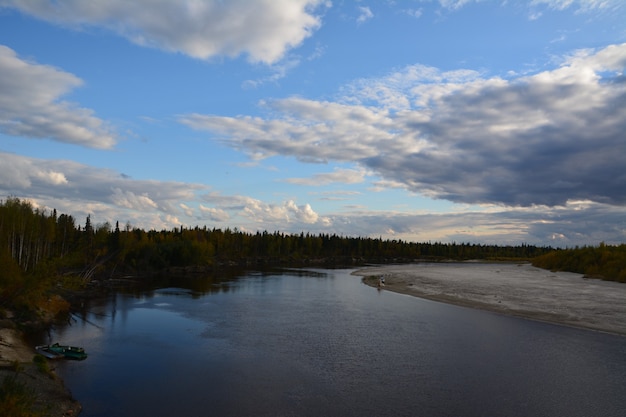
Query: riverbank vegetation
(16,399)
(42,251)
(604,261)
(33,390)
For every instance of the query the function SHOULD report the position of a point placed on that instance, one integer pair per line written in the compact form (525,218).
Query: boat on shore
(57,351)
(45,350)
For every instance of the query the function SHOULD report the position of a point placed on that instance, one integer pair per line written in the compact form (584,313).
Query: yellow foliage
(53,305)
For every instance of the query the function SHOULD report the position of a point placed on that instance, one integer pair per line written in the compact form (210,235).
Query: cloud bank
(94,190)
(264,30)
(106,195)
(544,139)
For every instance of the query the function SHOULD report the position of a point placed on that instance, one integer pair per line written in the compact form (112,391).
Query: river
(318,342)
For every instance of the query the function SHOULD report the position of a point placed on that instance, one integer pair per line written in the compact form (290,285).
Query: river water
(318,342)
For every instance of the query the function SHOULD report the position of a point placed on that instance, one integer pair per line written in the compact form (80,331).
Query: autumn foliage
(41,250)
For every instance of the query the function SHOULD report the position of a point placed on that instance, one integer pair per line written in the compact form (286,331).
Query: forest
(42,251)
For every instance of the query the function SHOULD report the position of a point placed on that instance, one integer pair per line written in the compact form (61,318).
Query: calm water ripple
(320,343)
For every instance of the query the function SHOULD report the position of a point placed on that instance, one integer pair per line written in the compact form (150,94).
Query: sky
(488,122)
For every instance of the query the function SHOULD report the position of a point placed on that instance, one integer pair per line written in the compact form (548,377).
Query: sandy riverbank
(515,289)
(51,397)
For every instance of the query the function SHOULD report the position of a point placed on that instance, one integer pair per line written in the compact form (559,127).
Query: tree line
(604,261)
(39,248)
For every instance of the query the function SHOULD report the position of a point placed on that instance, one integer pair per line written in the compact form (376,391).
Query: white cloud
(263,29)
(383,185)
(278,71)
(304,213)
(317,131)
(107,196)
(131,200)
(365,14)
(580,5)
(214,214)
(455,4)
(558,226)
(337,195)
(186,209)
(52,177)
(410,87)
(31,106)
(171,221)
(346,176)
(416,13)
(546,139)
(558,5)
(85,186)
(538,7)
(267,216)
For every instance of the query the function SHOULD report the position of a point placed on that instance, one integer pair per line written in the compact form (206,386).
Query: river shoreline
(50,395)
(507,288)
(511,288)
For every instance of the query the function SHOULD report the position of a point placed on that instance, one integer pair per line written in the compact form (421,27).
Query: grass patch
(16,400)
(43,366)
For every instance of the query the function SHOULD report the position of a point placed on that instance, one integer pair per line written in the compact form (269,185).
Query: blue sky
(500,122)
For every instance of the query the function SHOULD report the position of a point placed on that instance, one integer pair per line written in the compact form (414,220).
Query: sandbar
(517,289)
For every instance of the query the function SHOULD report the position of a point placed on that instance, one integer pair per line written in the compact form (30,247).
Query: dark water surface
(320,343)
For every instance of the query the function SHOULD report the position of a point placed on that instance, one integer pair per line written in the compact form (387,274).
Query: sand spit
(515,289)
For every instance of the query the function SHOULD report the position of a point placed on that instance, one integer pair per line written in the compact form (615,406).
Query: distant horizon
(81,224)
(480,122)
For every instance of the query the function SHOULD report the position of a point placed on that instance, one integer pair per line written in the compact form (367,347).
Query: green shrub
(42,365)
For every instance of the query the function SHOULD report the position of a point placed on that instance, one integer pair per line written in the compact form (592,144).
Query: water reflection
(318,342)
